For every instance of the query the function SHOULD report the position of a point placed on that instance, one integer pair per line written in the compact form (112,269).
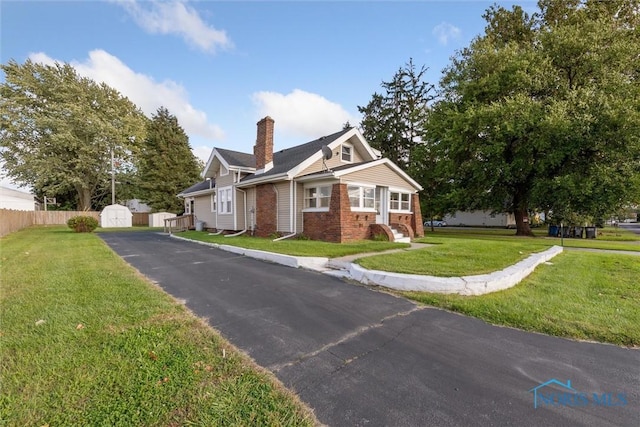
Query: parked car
(436,223)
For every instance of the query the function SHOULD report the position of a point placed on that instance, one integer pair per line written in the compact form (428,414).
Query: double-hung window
(317,197)
(225,200)
(346,153)
(362,197)
(214,202)
(399,201)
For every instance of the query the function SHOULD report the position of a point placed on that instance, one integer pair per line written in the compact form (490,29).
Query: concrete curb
(310,263)
(466,285)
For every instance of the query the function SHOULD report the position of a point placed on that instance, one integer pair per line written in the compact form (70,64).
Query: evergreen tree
(394,122)
(166,164)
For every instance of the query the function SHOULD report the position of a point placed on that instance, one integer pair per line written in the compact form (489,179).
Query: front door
(382,205)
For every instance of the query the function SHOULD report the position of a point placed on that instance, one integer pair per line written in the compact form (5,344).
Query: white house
(16,200)
(481,219)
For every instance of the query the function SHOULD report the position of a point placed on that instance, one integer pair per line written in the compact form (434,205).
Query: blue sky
(221,66)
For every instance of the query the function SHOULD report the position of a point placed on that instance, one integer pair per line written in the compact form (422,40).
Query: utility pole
(113,181)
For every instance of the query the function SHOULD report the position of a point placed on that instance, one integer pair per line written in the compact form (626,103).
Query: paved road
(360,357)
(631,226)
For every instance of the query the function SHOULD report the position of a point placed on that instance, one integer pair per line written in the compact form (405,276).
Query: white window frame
(225,201)
(350,148)
(317,198)
(214,202)
(361,197)
(400,202)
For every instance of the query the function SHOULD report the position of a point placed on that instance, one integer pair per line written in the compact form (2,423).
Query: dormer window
(347,153)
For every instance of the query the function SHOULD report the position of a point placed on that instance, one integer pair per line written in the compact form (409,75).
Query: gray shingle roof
(204,185)
(287,159)
(236,158)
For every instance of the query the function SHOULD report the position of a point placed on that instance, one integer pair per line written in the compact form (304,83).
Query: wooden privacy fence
(11,220)
(140,218)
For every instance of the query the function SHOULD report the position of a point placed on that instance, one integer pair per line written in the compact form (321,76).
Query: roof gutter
(267,179)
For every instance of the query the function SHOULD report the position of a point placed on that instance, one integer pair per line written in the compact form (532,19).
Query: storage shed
(115,216)
(157,219)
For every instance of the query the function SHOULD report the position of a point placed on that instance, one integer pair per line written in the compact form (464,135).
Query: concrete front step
(399,237)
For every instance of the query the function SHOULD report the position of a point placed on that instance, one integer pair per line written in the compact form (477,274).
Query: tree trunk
(522,222)
(84,198)
(521,211)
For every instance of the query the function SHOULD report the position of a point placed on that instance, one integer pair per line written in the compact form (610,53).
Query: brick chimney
(263,150)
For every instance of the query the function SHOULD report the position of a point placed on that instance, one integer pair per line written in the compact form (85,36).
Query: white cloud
(142,90)
(175,17)
(202,152)
(445,32)
(301,113)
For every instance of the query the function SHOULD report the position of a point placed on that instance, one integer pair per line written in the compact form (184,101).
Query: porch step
(399,237)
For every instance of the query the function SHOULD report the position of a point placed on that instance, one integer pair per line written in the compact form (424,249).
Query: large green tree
(58,130)
(543,112)
(166,165)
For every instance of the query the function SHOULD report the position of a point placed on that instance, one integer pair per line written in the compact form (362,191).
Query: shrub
(82,224)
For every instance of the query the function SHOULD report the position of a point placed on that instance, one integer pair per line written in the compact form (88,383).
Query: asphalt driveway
(360,357)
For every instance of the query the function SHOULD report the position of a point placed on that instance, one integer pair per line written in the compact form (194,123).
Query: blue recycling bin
(553,230)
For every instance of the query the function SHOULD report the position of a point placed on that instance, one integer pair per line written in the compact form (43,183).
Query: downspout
(292,219)
(236,234)
(275,189)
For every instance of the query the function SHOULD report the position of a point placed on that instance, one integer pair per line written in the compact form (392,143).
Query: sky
(220,66)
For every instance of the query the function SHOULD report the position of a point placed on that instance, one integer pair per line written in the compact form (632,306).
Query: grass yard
(582,295)
(87,341)
(608,238)
(295,247)
(454,257)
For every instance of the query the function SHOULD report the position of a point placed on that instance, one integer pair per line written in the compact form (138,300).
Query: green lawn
(87,341)
(454,257)
(608,238)
(580,295)
(295,247)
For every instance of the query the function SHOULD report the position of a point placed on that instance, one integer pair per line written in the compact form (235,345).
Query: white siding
(251,204)
(299,207)
(480,219)
(202,208)
(240,210)
(284,203)
(334,161)
(380,175)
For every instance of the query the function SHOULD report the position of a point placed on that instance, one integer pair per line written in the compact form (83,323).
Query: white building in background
(16,200)
(135,205)
(116,216)
(481,219)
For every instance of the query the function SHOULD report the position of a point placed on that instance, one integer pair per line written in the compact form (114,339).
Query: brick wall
(377,229)
(339,224)
(266,208)
(416,223)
